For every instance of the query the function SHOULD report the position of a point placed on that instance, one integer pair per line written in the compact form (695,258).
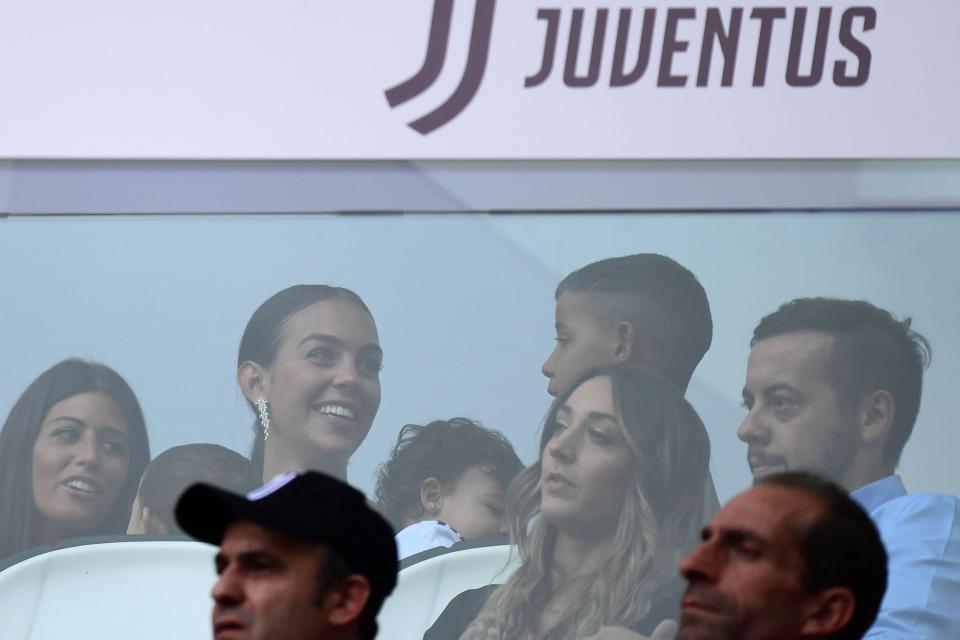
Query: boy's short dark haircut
(443,449)
(842,548)
(661,298)
(171,472)
(871,350)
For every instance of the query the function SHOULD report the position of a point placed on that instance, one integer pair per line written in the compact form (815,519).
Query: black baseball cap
(312,506)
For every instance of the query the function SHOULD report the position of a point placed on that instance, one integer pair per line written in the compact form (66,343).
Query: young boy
(643,309)
(171,472)
(446,482)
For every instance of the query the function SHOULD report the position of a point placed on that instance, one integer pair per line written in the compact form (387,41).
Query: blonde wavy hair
(660,519)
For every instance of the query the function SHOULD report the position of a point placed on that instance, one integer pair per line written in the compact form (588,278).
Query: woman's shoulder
(459,613)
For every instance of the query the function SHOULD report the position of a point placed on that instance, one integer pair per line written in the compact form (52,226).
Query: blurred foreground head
(793,558)
(301,558)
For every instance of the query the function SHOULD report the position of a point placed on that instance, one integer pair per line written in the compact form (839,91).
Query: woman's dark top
(465,607)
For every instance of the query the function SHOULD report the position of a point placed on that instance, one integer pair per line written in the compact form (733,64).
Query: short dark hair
(171,472)
(841,548)
(872,350)
(661,298)
(442,449)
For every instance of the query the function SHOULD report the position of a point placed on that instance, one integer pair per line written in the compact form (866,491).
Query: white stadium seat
(142,590)
(425,588)
(160,590)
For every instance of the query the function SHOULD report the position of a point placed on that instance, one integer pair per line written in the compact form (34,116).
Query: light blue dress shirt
(922,535)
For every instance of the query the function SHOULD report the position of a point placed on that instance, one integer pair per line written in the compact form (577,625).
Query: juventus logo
(433,64)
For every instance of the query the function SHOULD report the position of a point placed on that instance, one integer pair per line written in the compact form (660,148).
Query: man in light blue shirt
(922,536)
(833,387)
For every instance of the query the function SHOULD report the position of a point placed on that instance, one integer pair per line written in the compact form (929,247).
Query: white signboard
(436,79)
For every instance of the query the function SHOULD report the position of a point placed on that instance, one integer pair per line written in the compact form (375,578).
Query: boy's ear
(252,381)
(624,342)
(431,497)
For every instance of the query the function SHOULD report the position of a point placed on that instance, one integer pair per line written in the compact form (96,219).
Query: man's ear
(827,612)
(431,497)
(875,415)
(347,600)
(252,381)
(624,342)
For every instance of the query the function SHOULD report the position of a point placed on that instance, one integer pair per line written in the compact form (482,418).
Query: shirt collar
(870,496)
(430,526)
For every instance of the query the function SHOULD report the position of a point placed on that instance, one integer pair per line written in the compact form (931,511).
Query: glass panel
(155,269)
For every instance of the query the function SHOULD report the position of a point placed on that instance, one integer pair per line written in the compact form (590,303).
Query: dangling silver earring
(264,410)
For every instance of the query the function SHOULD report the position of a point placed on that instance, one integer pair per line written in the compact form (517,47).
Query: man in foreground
(793,558)
(302,558)
(834,386)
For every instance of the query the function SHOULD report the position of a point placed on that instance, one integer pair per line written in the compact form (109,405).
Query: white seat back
(424,589)
(146,590)
(159,590)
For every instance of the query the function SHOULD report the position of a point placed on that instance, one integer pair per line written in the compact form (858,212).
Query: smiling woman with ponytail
(309,367)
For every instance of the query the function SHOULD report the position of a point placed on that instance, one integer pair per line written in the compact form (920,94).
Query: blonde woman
(599,521)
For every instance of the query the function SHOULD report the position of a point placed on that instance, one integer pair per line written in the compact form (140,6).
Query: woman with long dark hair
(309,366)
(71,454)
(600,520)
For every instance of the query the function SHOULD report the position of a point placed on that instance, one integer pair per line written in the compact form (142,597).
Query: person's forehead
(593,394)
(790,356)
(344,317)
(772,513)
(244,535)
(92,409)
(85,402)
(481,480)
(574,307)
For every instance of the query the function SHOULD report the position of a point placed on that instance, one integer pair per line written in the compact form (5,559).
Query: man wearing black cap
(301,558)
